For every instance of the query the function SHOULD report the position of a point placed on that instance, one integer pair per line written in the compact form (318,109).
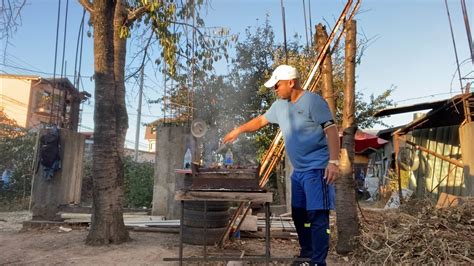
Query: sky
(411,47)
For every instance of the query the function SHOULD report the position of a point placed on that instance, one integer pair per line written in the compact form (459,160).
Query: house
(436,148)
(34,101)
(150,131)
(150,136)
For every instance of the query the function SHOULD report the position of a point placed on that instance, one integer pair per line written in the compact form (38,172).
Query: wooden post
(347,219)
(327,91)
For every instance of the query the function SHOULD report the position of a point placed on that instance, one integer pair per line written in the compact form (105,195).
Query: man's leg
(319,200)
(303,229)
(320,235)
(300,218)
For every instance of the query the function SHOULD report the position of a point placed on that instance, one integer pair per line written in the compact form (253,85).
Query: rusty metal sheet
(225,184)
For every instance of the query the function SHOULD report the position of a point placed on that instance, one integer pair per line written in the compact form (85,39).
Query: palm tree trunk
(107,224)
(347,220)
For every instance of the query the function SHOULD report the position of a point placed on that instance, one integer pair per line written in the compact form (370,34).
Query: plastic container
(187,159)
(229,158)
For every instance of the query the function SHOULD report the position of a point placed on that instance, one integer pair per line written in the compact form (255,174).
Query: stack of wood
(253,225)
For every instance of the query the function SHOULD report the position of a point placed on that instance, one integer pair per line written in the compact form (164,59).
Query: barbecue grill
(236,178)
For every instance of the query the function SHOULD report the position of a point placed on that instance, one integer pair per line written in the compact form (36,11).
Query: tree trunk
(107,224)
(347,219)
(327,90)
(120,51)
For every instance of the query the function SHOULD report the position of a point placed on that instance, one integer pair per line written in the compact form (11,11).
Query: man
(312,144)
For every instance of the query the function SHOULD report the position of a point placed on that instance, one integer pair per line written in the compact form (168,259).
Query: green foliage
(17,146)
(139,179)
(179,30)
(138,185)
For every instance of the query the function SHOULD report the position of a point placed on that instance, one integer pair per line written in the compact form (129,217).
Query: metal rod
(284,30)
(447,176)
(468,29)
(205,229)
(310,23)
(454,45)
(453,161)
(250,258)
(267,232)
(181,227)
(305,24)
(139,112)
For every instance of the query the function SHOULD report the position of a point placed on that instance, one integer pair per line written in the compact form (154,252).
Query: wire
(422,97)
(55,57)
(468,29)
(37,72)
(64,39)
(454,45)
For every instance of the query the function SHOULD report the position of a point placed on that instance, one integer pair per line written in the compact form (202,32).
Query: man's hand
(331,173)
(231,136)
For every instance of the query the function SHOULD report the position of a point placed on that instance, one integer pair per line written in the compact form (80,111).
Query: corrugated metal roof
(410,108)
(449,114)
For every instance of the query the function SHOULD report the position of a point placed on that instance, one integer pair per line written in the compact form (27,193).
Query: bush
(139,179)
(16,160)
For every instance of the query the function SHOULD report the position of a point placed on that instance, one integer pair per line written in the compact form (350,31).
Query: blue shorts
(309,190)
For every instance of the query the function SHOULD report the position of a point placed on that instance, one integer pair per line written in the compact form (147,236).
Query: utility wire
(454,45)
(310,24)
(305,25)
(36,71)
(55,60)
(63,70)
(468,29)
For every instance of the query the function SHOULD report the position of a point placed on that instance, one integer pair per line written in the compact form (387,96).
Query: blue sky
(412,51)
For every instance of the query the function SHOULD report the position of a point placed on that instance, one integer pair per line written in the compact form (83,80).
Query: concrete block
(249,223)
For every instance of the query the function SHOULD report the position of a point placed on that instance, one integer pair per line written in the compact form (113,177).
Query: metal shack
(436,148)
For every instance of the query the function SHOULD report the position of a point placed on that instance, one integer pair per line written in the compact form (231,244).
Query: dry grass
(418,233)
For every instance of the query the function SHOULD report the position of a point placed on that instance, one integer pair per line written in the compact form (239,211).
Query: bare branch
(10,19)
(145,51)
(87,4)
(134,14)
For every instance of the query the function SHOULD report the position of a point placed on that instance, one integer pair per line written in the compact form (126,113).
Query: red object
(365,141)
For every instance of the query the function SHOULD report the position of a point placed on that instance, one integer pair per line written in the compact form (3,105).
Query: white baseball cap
(282,72)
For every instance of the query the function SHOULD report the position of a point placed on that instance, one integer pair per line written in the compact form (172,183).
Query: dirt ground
(52,246)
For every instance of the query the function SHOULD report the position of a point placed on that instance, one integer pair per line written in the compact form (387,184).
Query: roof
(410,108)
(14,76)
(450,113)
(65,82)
(386,134)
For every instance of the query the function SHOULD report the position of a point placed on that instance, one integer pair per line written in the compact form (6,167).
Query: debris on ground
(417,233)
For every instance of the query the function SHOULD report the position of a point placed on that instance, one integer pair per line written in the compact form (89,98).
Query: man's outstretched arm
(251,126)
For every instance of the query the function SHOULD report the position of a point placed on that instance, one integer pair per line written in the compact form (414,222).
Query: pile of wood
(418,233)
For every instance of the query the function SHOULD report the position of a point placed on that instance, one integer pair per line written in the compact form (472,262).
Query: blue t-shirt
(300,123)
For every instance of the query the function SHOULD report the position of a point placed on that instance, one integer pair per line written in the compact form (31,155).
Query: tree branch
(135,14)
(87,4)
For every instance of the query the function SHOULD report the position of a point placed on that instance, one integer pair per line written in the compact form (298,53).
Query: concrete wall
(172,142)
(466,134)
(65,187)
(15,98)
